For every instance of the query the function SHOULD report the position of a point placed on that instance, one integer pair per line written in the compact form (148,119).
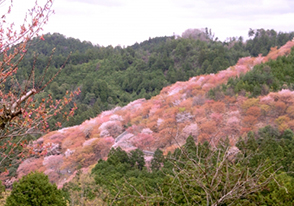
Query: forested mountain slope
(110,76)
(165,120)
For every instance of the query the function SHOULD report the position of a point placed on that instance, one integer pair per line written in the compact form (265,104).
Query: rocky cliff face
(165,121)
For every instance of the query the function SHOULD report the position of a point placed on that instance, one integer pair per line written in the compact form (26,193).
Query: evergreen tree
(268,131)
(35,190)
(157,161)
(137,159)
(190,145)
(117,155)
(288,134)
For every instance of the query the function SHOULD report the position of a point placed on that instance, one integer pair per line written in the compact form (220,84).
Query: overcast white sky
(125,22)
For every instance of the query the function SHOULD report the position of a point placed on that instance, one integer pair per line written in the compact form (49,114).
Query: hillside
(165,121)
(109,77)
(115,76)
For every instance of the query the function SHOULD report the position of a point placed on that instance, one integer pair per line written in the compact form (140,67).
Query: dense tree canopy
(35,190)
(262,79)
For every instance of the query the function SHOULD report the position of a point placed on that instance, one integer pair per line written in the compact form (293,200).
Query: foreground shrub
(35,190)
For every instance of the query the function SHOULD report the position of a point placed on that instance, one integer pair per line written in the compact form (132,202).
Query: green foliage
(287,134)
(265,39)
(267,132)
(2,189)
(269,144)
(137,159)
(261,156)
(116,156)
(260,173)
(127,171)
(82,190)
(264,78)
(190,146)
(157,161)
(35,189)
